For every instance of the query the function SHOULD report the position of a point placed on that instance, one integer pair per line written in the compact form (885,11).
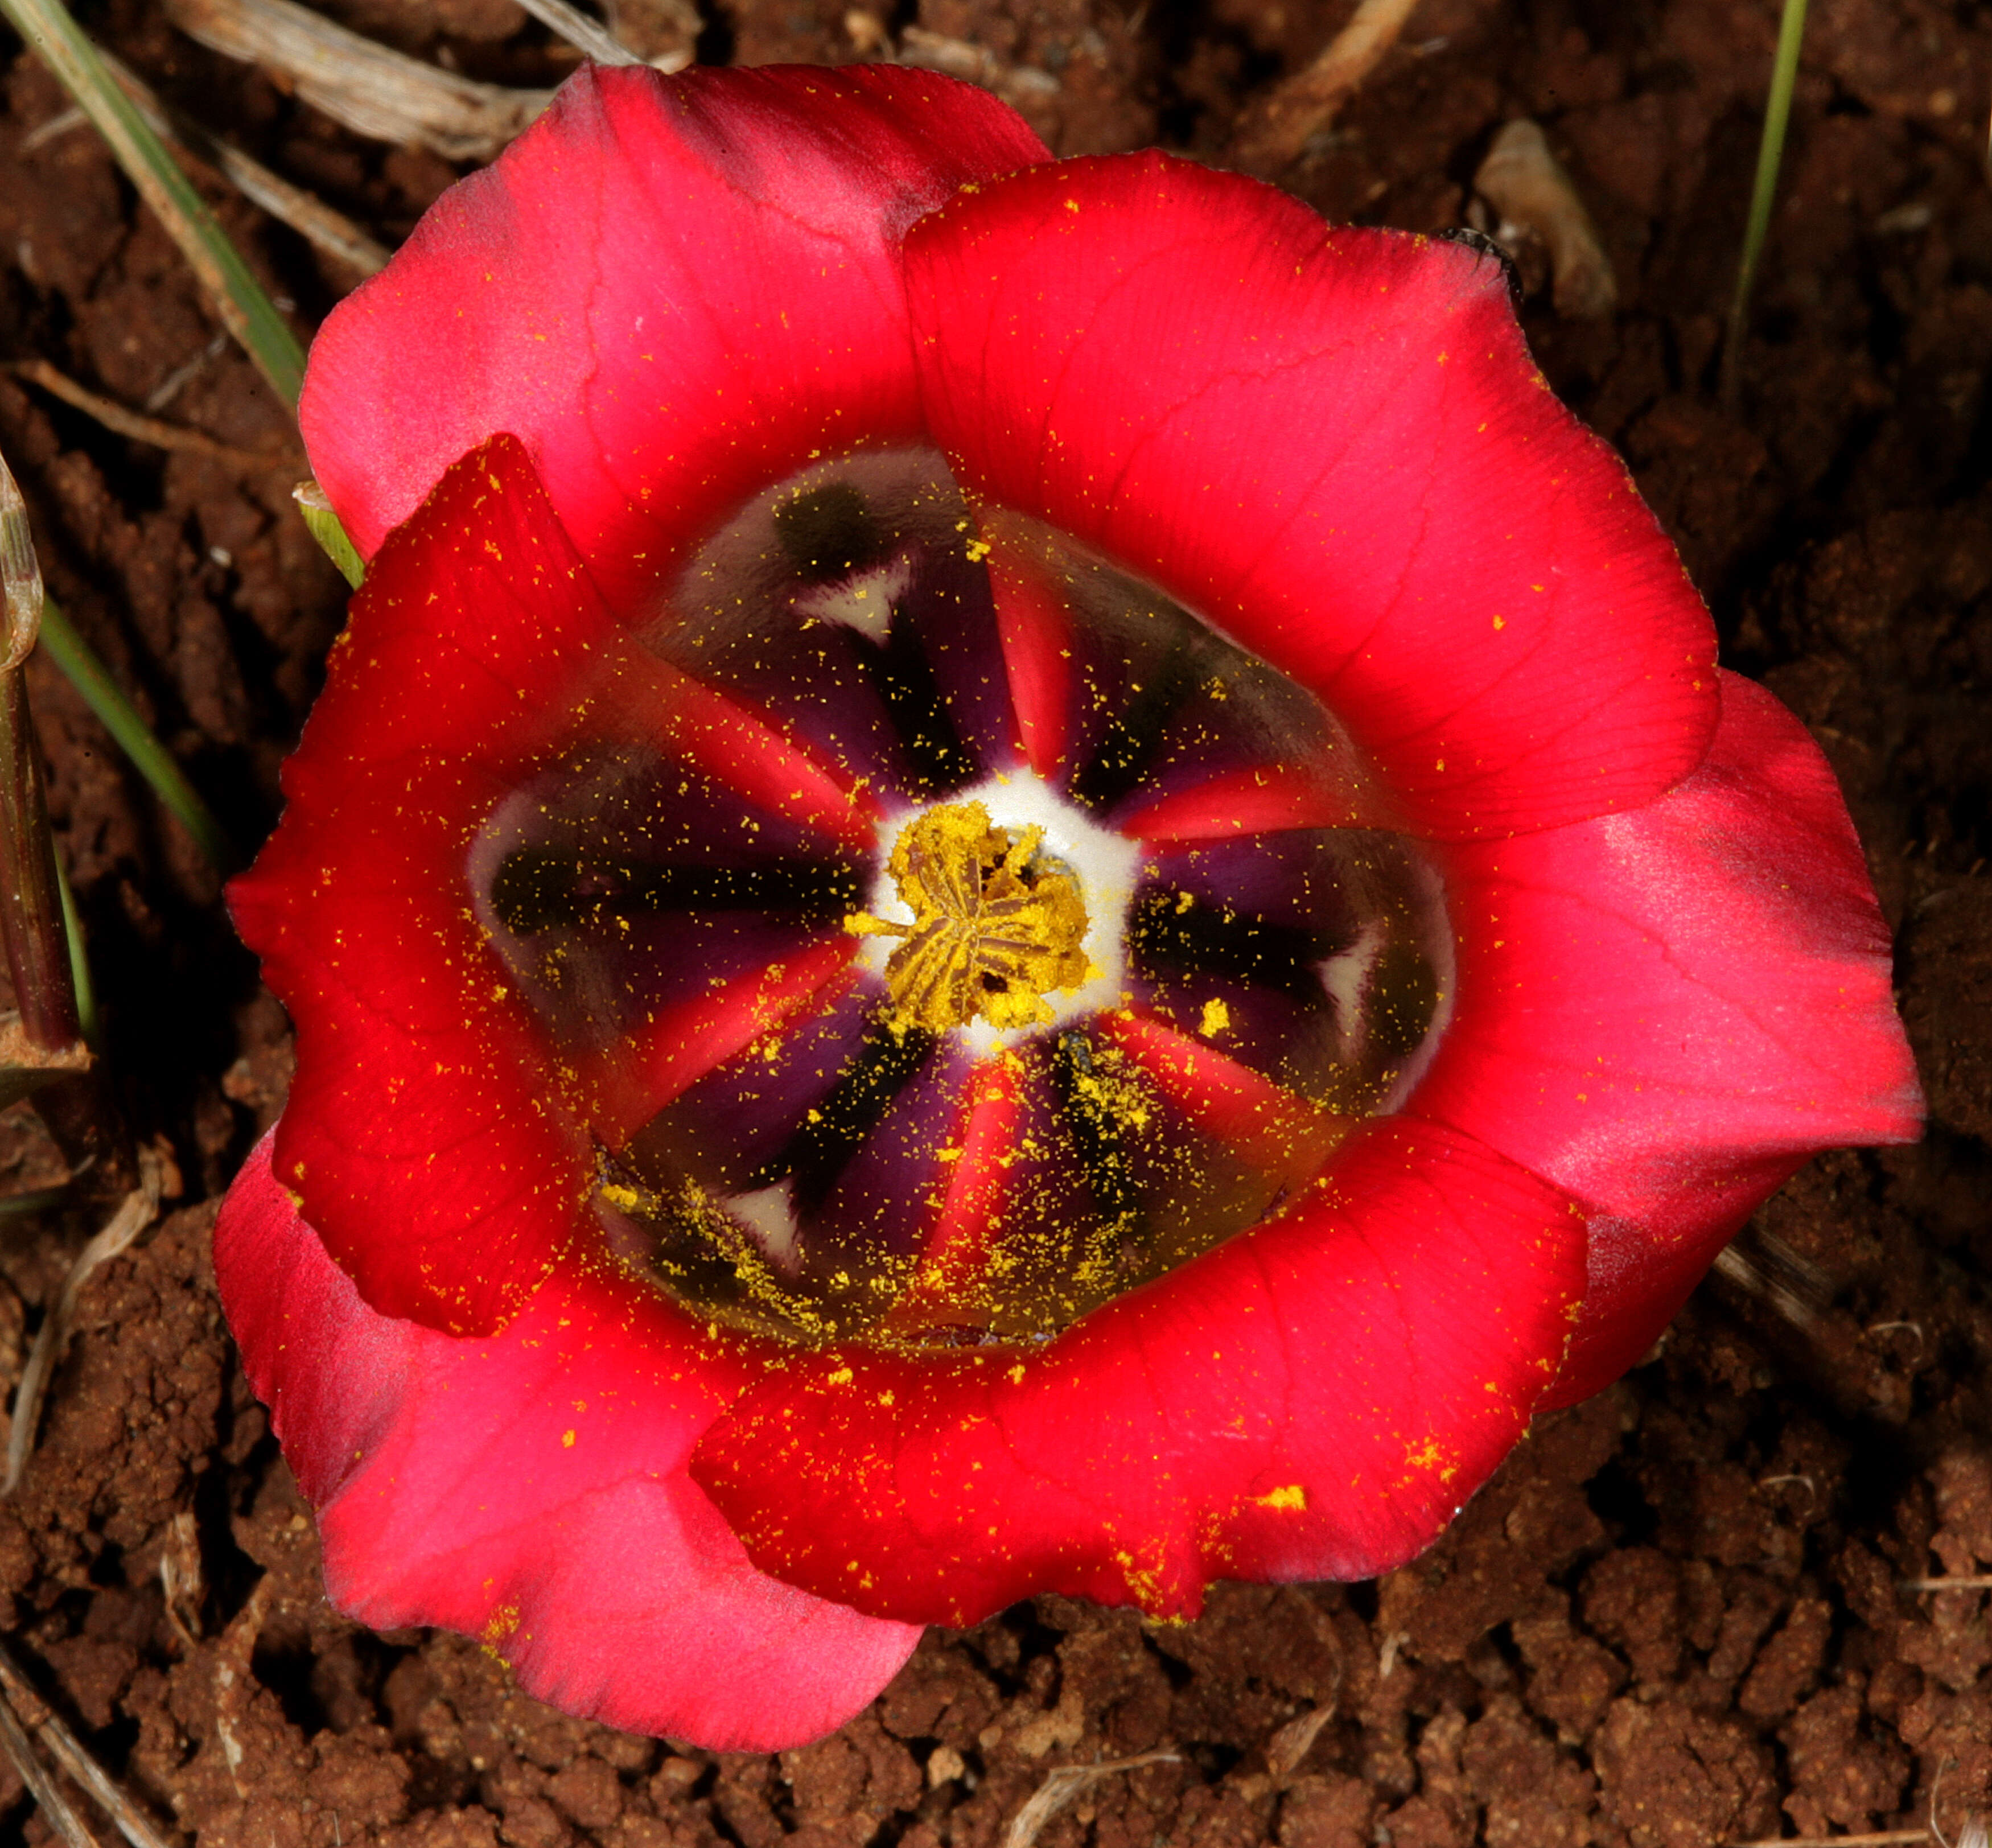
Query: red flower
(857,1060)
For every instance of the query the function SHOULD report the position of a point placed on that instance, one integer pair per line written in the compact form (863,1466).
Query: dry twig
(1880,1840)
(1063,1785)
(138,1210)
(1271,133)
(311,218)
(113,416)
(383,95)
(1536,199)
(67,1751)
(51,1801)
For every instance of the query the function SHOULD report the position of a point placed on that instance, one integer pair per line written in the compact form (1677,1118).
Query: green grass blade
(150,758)
(248,313)
(78,960)
(1763,192)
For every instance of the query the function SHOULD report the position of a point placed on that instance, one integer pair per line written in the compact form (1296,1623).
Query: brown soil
(1677,1616)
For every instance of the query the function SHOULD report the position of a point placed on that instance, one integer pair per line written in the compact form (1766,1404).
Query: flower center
(996,926)
(971,935)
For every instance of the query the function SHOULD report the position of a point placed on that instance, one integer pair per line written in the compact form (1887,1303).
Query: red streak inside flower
(702,905)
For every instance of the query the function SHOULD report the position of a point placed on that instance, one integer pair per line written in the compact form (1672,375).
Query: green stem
(105,697)
(1770,155)
(248,313)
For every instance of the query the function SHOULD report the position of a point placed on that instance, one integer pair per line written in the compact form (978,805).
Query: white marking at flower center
(1345,976)
(862,602)
(770,1214)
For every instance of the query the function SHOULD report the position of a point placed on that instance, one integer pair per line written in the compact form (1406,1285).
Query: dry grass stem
(588,36)
(63,1746)
(1065,1783)
(244,308)
(113,416)
(381,94)
(1535,198)
(137,1211)
(1974,1582)
(1015,83)
(1762,1265)
(183,374)
(67,1824)
(311,218)
(1271,133)
(1840,1841)
(61,124)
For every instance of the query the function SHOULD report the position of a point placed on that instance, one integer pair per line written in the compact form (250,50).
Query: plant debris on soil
(1696,1610)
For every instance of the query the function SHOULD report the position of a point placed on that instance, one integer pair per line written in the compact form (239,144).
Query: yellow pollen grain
(1290,1494)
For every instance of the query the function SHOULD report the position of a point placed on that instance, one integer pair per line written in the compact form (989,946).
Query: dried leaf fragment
(1535,198)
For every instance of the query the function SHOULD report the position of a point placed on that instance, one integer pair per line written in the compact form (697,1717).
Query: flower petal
(1665,1012)
(441,1150)
(672,290)
(1313,1400)
(1333,445)
(422,1131)
(530,1490)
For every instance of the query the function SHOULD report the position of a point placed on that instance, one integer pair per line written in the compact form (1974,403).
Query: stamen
(995,928)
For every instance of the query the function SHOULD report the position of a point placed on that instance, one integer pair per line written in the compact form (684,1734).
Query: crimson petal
(531,1490)
(479,648)
(1333,445)
(673,290)
(1314,1400)
(1666,1012)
